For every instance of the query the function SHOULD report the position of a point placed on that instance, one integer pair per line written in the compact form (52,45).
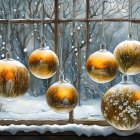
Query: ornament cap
(42,44)
(103,46)
(125,78)
(61,76)
(8,55)
(130,36)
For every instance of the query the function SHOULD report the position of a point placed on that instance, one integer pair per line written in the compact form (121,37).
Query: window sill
(44,126)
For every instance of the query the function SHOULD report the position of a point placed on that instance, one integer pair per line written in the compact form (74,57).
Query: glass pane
(80,9)
(92,91)
(114,9)
(25,38)
(27,8)
(65,9)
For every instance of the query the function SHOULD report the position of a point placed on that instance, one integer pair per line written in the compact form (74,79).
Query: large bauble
(43,63)
(121,106)
(128,55)
(62,97)
(14,78)
(102,66)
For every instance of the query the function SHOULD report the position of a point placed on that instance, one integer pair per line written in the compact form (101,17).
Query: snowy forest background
(25,38)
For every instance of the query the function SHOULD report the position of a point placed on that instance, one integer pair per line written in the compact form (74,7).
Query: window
(83,31)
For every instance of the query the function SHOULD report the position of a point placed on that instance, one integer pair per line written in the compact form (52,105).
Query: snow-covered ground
(28,107)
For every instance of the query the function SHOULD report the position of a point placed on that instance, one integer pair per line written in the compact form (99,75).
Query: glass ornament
(14,78)
(121,105)
(43,63)
(102,66)
(62,97)
(128,55)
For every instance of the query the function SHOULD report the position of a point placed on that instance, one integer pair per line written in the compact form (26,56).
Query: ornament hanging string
(130,35)
(130,30)
(103,42)
(61,70)
(73,20)
(8,46)
(73,23)
(61,74)
(42,19)
(42,36)
(9,26)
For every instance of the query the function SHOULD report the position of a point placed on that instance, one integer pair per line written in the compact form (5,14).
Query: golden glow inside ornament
(43,63)
(128,55)
(62,97)
(102,66)
(14,78)
(121,105)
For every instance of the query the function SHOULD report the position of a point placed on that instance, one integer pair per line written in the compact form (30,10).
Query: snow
(80,129)
(29,107)
(90,109)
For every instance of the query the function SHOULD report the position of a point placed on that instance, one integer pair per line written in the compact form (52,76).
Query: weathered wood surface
(32,21)
(51,122)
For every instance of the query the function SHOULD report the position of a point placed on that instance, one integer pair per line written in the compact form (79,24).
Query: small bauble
(102,66)
(43,63)
(14,78)
(121,106)
(62,97)
(128,55)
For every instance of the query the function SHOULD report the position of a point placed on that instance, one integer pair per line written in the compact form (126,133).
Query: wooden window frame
(56,22)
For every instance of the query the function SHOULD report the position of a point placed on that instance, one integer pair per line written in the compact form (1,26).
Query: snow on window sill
(93,130)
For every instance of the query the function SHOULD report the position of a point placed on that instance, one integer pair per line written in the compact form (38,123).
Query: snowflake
(25,50)
(2,55)
(78,28)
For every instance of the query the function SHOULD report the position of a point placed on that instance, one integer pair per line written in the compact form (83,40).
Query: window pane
(25,38)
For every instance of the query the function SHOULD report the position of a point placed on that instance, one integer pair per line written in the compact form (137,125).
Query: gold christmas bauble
(102,66)
(62,97)
(121,106)
(128,55)
(14,78)
(43,63)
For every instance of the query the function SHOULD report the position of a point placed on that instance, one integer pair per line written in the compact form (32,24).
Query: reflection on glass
(43,63)
(128,56)
(62,97)
(14,78)
(121,106)
(102,66)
